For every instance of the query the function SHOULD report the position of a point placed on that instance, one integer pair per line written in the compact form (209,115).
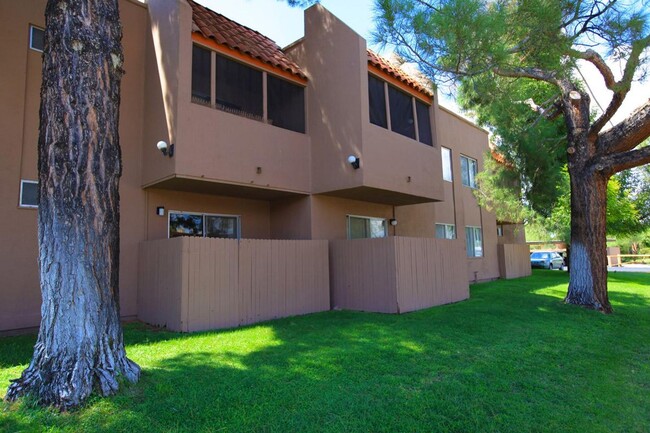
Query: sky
(285,24)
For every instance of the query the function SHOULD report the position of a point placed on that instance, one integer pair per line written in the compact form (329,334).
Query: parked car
(546,260)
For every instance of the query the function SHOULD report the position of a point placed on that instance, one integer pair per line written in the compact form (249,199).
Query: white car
(546,260)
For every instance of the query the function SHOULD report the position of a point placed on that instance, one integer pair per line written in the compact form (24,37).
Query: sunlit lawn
(513,358)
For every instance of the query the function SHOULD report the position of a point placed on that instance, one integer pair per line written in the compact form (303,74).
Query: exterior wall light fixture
(393,222)
(354,161)
(166,149)
(160,211)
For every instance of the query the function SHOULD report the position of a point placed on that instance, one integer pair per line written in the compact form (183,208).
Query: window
(201,66)
(239,88)
(365,227)
(468,169)
(28,193)
(499,230)
(36,38)
(445,231)
(424,123)
(203,225)
(286,104)
(474,240)
(446,164)
(377,100)
(403,110)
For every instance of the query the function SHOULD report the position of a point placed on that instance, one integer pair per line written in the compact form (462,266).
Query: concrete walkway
(629,268)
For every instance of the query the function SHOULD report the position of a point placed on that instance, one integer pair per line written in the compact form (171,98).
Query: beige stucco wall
(329,215)
(335,60)
(254,214)
(20,81)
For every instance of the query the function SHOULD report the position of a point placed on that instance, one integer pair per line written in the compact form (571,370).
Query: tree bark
(79,346)
(588,274)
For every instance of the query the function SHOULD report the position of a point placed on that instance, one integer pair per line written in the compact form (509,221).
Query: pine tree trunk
(588,256)
(588,275)
(79,346)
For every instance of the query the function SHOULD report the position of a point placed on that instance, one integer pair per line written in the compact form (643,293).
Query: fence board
(514,260)
(192,284)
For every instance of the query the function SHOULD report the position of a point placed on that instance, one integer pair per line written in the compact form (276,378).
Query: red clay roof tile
(233,35)
(383,64)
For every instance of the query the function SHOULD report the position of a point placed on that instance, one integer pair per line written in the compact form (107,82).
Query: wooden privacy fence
(397,274)
(514,260)
(191,284)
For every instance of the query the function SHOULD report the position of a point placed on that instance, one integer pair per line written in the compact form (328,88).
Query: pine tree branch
(533,73)
(618,162)
(619,88)
(627,134)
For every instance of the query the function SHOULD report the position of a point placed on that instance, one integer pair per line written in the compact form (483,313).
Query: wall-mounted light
(160,211)
(166,149)
(393,222)
(354,161)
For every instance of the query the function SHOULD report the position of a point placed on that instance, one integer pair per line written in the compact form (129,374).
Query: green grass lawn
(513,358)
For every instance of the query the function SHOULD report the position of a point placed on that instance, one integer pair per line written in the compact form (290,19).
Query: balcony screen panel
(286,104)
(221,227)
(239,88)
(401,113)
(185,224)
(200,75)
(424,123)
(377,101)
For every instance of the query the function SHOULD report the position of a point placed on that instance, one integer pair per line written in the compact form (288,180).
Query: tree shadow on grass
(512,358)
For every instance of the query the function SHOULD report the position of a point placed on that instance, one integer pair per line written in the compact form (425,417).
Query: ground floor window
(203,225)
(474,239)
(28,193)
(445,231)
(360,227)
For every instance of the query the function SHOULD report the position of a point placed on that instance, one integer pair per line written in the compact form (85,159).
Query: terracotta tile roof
(384,65)
(233,35)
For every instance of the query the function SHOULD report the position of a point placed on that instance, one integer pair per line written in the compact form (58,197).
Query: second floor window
(408,116)
(239,89)
(446,164)
(469,170)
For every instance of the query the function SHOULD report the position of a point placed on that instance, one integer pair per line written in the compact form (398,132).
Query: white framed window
(474,240)
(445,231)
(469,170)
(28,193)
(36,38)
(203,225)
(360,227)
(499,230)
(446,164)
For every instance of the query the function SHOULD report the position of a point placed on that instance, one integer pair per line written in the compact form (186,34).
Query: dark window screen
(239,88)
(424,123)
(401,112)
(200,75)
(36,38)
(377,100)
(29,193)
(286,104)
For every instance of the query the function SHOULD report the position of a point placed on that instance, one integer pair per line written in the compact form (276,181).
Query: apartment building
(260,182)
